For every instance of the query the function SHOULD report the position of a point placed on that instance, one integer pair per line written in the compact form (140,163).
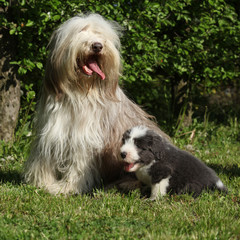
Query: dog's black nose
(123,155)
(97,47)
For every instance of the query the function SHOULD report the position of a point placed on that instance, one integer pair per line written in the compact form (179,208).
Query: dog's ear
(156,146)
(126,136)
(144,142)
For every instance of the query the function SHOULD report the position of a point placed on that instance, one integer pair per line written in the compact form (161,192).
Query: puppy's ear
(144,142)
(157,147)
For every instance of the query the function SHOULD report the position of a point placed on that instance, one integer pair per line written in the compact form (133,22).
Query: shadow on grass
(229,170)
(13,177)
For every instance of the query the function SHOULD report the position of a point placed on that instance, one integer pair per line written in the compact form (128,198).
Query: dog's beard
(98,74)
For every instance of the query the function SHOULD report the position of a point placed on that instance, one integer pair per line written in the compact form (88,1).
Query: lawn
(30,213)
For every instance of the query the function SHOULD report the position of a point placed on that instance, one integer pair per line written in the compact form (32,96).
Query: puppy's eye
(123,140)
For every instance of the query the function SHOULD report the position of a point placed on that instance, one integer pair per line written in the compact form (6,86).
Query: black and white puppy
(165,168)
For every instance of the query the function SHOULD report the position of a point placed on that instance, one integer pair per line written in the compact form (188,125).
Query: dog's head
(140,146)
(84,55)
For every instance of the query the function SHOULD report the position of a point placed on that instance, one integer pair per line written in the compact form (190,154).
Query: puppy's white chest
(143,174)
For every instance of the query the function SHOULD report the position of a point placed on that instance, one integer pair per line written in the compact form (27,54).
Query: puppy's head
(136,150)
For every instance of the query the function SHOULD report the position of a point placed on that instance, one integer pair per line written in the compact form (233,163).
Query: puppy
(165,168)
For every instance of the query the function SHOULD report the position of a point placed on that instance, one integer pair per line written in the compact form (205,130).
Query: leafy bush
(165,45)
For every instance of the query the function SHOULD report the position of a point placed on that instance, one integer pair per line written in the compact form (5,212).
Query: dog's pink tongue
(128,166)
(95,68)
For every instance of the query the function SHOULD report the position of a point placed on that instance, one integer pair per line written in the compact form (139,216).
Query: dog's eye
(123,140)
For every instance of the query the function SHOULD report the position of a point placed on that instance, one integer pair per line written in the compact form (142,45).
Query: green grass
(30,213)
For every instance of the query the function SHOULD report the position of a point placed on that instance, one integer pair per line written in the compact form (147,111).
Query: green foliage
(26,112)
(189,41)
(164,43)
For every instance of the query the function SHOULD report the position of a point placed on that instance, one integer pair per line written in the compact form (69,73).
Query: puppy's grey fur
(164,167)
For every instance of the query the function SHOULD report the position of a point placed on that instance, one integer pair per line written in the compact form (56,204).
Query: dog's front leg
(159,189)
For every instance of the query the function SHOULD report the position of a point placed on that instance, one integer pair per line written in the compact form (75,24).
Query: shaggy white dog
(82,112)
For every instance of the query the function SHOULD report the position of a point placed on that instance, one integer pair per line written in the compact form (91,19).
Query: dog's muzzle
(123,155)
(97,47)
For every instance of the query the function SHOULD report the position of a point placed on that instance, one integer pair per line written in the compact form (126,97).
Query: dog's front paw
(152,198)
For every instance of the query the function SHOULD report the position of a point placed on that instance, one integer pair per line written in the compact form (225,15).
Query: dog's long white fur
(80,119)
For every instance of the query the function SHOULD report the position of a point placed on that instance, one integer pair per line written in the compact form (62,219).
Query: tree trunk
(9,86)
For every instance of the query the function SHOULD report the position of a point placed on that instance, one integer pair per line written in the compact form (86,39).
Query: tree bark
(9,86)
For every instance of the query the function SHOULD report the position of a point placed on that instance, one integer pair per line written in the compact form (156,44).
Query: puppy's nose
(123,155)
(97,47)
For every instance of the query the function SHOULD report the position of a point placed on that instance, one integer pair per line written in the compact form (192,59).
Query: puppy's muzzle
(123,155)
